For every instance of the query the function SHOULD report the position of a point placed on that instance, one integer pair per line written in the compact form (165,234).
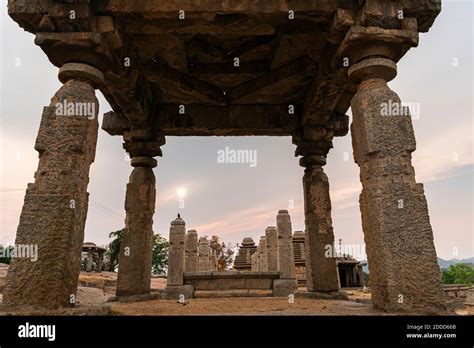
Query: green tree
(460,273)
(113,251)
(223,252)
(5,254)
(159,253)
(159,265)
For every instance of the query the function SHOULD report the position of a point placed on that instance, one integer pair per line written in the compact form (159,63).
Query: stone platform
(231,283)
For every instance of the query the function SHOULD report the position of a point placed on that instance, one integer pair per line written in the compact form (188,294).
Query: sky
(235,201)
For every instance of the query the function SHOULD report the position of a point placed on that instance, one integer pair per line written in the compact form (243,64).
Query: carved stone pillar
(191,252)
(272,248)
(177,252)
(137,241)
(287,283)
(55,206)
(204,262)
(263,254)
(321,273)
(404,273)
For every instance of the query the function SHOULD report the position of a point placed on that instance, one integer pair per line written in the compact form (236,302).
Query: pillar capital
(144,148)
(364,42)
(144,161)
(382,68)
(179,222)
(81,71)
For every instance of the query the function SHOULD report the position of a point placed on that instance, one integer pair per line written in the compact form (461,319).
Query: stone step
(232,293)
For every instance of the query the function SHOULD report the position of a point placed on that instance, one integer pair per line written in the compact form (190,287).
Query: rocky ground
(96,291)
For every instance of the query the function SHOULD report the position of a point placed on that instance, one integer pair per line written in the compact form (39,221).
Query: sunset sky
(237,200)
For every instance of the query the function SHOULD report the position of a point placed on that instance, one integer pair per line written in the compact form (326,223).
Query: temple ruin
(94,257)
(250,258)
(227,68)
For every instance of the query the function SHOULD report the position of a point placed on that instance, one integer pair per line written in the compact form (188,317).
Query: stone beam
(238,120)
(288,82)
(166,9)
(200,120)
(176,86)
(331,78)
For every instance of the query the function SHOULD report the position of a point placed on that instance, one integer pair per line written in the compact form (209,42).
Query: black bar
(290,330)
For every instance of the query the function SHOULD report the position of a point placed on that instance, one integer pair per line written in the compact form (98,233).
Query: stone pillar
(253,257)
(258,261)
(55,206)
(135,258)
(191,252)
(338,276)
(204,261)
(272,248)
(360,272)
(285,246)
(287,283)
(100,262)
(90,262)
(321,272)
(404,273)
(263,254)
(213,261)
(176,252)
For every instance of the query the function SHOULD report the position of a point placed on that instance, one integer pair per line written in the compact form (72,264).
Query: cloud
(443,155)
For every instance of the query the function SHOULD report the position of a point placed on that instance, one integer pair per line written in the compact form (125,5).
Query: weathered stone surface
(470,301)
(204,263)
(254,262)
(285,246)
(299,250)
(259,259)
(263,254)
(233,293)
(243,260)
(90,262)
(219,284)
(272,248)
(404,273)
(191,252)
(176,257)
(213,261)
(137,241)
(55,207)
(284,287)
(179,292)
(321,272)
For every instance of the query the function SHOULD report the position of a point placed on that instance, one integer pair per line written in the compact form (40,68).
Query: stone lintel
(238,120)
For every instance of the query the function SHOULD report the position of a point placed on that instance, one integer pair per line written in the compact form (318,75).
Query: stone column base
(284,287)
(175,292)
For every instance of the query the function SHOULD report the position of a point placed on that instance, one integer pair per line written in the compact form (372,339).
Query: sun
(181,191)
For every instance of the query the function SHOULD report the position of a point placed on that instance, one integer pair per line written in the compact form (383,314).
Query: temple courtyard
(96,296)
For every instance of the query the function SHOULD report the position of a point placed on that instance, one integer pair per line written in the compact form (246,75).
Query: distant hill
(446,263)
(441,262)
